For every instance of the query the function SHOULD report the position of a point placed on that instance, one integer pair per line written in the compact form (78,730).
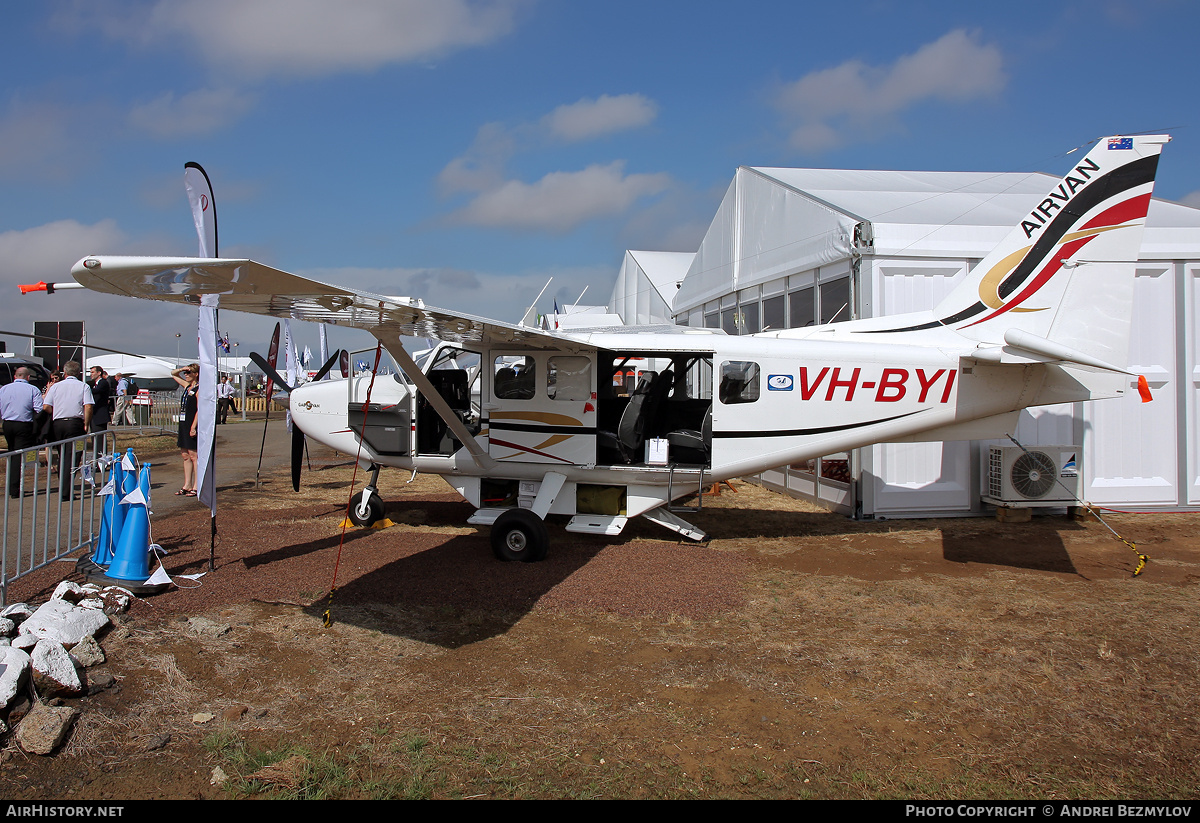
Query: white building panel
(1131,446)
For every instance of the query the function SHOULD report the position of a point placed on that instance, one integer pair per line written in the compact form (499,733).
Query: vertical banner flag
(324,346)
(289,363)
(204,213)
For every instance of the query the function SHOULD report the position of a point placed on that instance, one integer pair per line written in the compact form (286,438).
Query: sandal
(181,492)
(190,493)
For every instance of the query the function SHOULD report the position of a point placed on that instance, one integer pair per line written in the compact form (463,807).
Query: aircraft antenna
(525,317)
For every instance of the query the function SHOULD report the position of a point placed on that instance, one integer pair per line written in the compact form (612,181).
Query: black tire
(367,516)
(520,535)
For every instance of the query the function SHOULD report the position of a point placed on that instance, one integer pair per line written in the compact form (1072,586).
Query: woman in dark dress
(189,378)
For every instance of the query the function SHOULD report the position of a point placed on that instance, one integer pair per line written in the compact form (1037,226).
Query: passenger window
(515,378)
(739,382)
(569,378)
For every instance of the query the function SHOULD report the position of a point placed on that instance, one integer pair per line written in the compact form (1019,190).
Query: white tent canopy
(646,286)
(775,221)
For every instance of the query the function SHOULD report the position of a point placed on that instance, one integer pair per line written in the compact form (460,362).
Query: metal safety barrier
(57,512)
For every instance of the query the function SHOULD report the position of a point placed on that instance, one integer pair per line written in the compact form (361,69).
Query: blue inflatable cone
(103,554)
(131,475)
(119,510)
(131,560)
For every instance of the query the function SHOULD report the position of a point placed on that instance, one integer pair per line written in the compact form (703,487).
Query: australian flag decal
(1120,143)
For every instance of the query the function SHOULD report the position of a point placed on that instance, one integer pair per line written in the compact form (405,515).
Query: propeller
(297,455)
(298,441)
(268,369)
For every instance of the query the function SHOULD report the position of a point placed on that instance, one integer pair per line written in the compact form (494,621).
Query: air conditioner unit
(1033,476)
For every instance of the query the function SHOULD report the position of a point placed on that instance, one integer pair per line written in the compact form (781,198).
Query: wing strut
(439,404)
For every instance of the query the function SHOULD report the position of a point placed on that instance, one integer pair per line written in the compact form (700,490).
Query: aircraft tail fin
(1065,272)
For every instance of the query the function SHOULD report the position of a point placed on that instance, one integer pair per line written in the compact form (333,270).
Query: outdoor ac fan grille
(1033,475)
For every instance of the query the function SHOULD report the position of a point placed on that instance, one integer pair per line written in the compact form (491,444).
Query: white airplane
(526,423)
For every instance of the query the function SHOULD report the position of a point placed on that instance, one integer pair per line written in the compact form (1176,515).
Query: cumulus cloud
(196,114)
(588,118)
(560,201)
(305,37)
(854,100)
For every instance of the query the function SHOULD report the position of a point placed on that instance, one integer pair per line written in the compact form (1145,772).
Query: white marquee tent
(792,247)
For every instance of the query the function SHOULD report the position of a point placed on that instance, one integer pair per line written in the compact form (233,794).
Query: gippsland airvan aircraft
(527,423)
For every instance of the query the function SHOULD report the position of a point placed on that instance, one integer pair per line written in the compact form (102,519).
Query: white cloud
(560,201)
(305,37)
(854,100)
(588,119)
(196,114)
(47,252)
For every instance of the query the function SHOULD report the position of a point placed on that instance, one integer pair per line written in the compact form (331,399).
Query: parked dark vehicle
(9,363)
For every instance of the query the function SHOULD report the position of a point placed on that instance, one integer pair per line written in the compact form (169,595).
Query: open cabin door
(541,407)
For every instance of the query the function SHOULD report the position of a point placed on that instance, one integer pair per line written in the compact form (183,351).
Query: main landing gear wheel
(520,535)
(366,513)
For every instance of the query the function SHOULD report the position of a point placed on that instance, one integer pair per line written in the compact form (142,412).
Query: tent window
(774,310)
(835,301)
(803,308)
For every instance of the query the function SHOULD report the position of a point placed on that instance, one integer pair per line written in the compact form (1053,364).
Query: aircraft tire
(520,535)
(372,512)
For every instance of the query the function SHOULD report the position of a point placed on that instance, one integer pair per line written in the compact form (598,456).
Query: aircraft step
(597,524)
(485,517)
(676,524)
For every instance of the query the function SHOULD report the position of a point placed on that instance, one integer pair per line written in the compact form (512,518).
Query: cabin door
(542,408)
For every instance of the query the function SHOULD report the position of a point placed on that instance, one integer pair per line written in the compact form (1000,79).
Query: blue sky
(465,152)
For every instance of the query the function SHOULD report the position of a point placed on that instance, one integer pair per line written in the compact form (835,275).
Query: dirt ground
(795,654)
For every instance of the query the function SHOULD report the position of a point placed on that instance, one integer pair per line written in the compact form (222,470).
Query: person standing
(224,398)
(100,413)
(70,404)
(189,403)
(123,409)
(20,404)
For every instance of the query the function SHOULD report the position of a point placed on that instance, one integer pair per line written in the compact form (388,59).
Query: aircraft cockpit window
(515,378)
(739,382)
(569,378)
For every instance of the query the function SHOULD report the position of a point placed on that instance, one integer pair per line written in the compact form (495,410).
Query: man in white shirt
(124,411)
(224,398)
(70,404)
(20,404)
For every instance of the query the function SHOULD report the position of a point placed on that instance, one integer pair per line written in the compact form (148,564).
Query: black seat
(627,440)
(690,446)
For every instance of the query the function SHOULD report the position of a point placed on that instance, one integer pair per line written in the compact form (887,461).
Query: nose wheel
(367,507)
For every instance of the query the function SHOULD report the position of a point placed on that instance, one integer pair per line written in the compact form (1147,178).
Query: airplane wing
(243,285)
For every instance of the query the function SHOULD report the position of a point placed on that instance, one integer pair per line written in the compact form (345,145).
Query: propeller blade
(297,454)
(328,365)
(268,369)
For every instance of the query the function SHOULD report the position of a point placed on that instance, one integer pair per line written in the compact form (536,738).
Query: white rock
(54,672)
(71,592)
(7,627)
(14,666)
(24,642)
(64,623)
